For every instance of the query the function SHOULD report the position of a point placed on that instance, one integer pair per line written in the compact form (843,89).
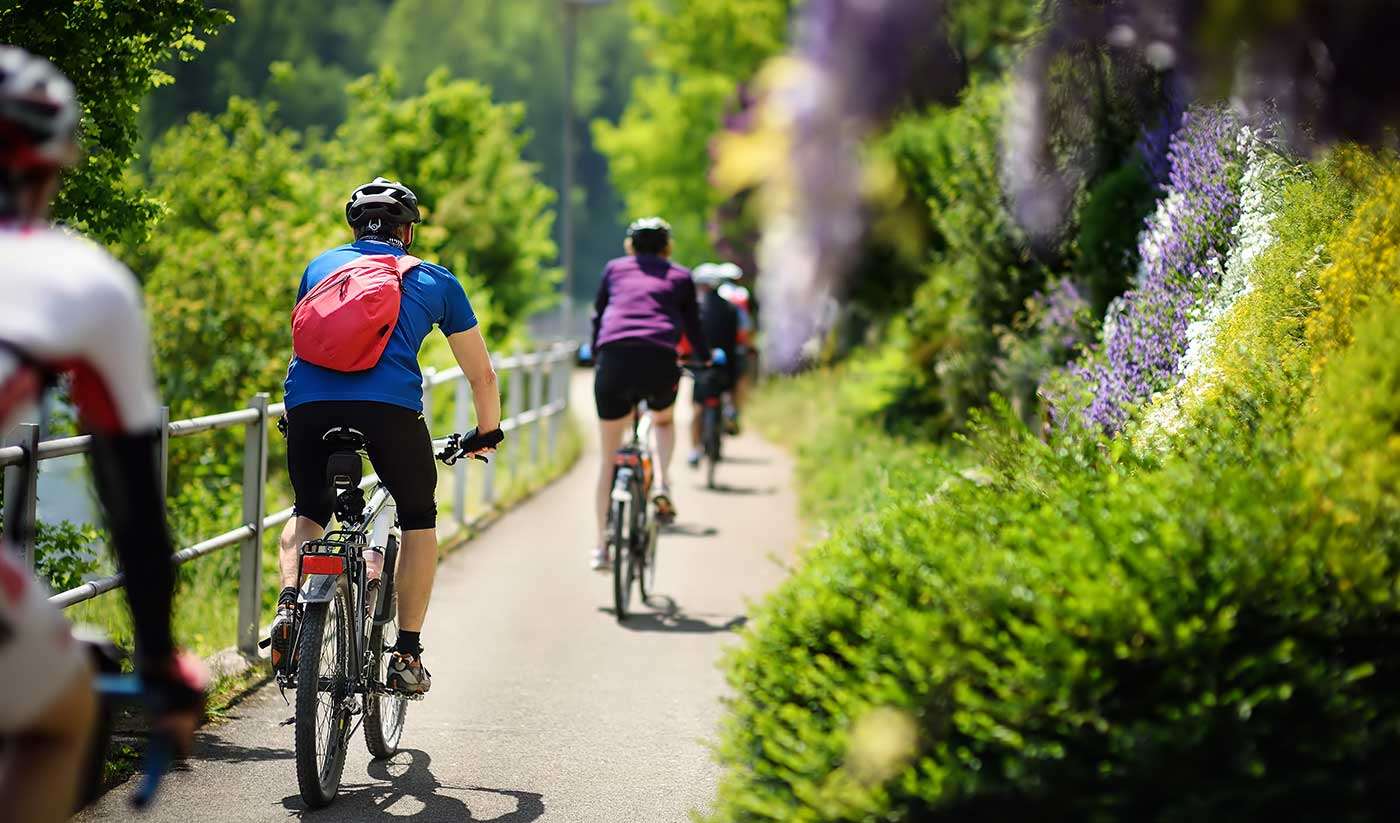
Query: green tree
(112,50)
(516,49)
(487,214)
(242,213)
(700,52)
(299,54)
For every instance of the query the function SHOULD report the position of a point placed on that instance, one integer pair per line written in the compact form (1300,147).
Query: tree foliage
(113,51)
(486,212)
(303,54)
(700,52)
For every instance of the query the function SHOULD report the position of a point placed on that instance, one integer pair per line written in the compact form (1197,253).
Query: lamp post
(566,205)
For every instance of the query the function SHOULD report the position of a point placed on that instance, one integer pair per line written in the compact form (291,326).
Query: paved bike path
(543,708)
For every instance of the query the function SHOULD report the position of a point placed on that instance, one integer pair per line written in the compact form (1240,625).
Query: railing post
(516,402)
(254,506)
(22,490)
(537,404)
(463,399)
(555,359)
(164,455)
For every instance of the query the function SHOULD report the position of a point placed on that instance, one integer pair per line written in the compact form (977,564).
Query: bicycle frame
(340,553)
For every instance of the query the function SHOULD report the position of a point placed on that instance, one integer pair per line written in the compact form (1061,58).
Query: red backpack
(345,322)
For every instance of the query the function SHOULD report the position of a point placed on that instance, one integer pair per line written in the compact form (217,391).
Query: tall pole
(566,206)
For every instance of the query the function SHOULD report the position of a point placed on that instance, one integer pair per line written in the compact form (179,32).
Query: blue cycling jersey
(432,296)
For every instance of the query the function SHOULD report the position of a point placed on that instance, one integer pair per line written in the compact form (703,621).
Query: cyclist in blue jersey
(385,403)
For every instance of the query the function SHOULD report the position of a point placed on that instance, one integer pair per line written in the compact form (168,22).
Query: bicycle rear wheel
(710,433)
(385,711)
(620,546)
(323,691)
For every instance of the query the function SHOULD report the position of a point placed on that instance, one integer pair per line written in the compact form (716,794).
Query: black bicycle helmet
(38,113)
(649,234)
(391,203)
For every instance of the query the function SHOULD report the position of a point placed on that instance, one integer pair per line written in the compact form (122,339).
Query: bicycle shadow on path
(669,617)
(407,776)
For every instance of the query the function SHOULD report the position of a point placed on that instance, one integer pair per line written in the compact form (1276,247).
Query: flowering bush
(1262,183)
(1182,249)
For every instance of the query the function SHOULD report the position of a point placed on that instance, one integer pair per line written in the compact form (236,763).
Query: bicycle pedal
(291,721)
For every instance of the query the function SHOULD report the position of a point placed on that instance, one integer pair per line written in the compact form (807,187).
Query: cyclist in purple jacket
(644,303)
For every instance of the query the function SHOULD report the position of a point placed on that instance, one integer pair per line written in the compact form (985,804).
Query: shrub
(980,270)
(1073,638)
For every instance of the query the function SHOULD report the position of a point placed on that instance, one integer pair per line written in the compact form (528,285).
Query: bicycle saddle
(344,469)
(346,438)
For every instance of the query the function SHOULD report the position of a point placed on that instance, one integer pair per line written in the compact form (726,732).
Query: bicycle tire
(385,713)
(622,560)
(318,783)
(94,764)
(710,437)
(646,579)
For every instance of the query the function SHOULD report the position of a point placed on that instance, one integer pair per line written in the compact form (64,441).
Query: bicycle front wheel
(323,695)
(619,539)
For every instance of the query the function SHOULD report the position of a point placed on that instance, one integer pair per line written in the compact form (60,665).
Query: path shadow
(669,617)
(689,530)
(408,775)
(748,461)
(211,747)
(741,491)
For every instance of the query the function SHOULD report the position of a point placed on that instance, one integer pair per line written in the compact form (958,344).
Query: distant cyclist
(68,309)
(733,291)
(384,402)
(644,302)
(721,322)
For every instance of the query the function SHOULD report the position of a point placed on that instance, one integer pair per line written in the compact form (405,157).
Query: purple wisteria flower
(1145,333)
(1064,314)
(861,59)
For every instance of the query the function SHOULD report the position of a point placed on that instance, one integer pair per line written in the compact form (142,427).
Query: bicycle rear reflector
(322,564)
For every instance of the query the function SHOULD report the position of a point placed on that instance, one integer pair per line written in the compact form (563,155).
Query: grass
(847,457)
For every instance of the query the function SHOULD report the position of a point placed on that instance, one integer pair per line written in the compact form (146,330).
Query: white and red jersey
(67,306)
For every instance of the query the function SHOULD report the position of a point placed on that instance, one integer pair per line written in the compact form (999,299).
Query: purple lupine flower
(1145,332)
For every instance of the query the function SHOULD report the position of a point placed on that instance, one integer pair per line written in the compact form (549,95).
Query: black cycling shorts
(627,374)
(399,447)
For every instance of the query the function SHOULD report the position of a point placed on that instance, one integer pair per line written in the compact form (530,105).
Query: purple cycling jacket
(646,300)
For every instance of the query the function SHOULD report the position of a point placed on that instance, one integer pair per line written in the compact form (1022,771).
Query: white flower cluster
(1261,194)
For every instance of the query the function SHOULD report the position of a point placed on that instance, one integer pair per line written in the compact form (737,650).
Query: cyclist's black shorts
(715,381)
(627,373)
(399,447)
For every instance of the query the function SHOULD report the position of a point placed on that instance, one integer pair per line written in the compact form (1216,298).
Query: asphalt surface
(543,707)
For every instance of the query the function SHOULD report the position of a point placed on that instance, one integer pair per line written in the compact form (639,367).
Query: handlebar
(461,445)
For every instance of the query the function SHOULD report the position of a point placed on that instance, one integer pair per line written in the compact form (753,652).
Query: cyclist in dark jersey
(720,321)
(644,302)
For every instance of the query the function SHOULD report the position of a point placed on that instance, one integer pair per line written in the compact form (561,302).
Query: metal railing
(546,371)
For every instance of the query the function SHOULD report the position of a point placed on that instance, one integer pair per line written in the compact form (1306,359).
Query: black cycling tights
(399,448)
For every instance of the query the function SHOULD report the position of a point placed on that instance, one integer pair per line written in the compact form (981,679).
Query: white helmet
(710,274)
(38,113)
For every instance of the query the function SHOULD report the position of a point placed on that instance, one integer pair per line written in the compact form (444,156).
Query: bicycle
(709,394)
(349,625)
(632,527)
